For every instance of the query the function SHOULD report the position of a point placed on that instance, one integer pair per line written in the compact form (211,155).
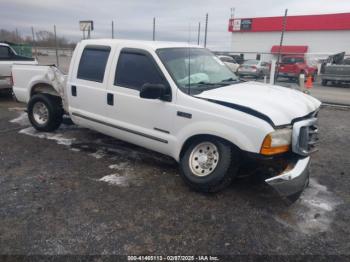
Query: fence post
(272,72)
(154,29)
(206,30)
(34,44)
(281,43)
(199,32)
(56,47)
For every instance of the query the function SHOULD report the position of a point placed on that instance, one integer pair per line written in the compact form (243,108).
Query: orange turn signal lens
(268,149)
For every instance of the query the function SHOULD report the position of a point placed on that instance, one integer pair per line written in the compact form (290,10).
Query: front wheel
(209,164)
(45,112)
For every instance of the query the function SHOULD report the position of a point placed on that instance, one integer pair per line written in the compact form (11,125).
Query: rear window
(93,62)
(292,60)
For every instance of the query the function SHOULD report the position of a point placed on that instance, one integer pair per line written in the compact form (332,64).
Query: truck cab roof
(4,44)
(138,43)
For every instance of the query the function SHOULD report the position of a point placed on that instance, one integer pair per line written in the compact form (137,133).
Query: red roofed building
(319,35)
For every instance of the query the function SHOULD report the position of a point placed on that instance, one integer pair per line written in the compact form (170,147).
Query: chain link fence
(47,56)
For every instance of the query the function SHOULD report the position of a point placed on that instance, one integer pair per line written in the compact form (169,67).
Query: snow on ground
(64,136)
(21,109)
(22,120)
(59,138)
(313,212)
(98,154)
(120,166)
(115,179)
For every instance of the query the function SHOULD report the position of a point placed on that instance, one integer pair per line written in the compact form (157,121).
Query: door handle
(110,99)
(74,90)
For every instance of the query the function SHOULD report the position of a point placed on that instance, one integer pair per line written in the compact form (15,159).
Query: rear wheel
(45,112)
(209,164)
(324,82)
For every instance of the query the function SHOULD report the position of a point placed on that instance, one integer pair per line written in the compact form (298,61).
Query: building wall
(320,43)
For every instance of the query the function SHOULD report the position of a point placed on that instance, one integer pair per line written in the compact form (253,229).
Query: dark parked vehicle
(336,70)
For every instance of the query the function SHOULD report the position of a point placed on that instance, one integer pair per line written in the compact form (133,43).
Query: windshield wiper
(229,80)
(202,83)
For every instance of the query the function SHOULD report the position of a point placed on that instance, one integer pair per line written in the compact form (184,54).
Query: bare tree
(43,38)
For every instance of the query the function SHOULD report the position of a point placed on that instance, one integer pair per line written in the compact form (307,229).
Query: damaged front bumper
(293,179)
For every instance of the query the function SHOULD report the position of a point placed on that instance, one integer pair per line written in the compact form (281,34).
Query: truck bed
(25,77)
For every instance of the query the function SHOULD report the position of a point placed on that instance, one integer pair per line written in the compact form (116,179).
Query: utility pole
(17,36)
(232,12)
(154,29)
(199,32)
(206,30)
(34,44)
(112,29)
(281,42)
(56,47)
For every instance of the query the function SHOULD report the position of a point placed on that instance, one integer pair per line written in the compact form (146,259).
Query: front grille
(305,136)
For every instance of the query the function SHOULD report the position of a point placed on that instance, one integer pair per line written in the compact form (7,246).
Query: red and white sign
(236,24)
(325,22)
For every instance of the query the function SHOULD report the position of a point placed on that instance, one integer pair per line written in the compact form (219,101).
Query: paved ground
(79,192)
(327,94)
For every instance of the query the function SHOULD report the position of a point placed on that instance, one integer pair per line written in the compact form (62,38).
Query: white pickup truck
(8,57)
(179,100)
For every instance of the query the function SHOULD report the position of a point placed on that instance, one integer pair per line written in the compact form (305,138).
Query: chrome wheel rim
(40,113)
(203,159)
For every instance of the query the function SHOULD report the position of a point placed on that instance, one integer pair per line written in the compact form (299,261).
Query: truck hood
(280,104)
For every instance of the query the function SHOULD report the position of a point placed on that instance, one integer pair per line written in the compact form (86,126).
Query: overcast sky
(176,20)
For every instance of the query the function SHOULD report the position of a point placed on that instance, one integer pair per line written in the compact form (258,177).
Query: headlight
(277,142)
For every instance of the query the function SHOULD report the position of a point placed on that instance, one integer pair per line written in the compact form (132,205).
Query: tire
(45,112)
(224,169)
(324,82)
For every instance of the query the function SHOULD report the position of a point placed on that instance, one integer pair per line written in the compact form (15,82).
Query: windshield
(292,60)
(196,69)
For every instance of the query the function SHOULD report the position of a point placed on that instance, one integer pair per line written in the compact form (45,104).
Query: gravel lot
(78,192)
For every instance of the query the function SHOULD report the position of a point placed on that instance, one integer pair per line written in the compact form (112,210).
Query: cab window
(93,63)
(5,52)
(135,68)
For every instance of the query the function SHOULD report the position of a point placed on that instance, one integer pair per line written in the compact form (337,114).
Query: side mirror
(154,91)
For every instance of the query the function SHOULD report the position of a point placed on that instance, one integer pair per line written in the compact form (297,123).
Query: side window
(93,62)
(136,69)
(4,52)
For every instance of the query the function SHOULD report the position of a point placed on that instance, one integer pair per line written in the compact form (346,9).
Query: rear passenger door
(86,89)
(147,121)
